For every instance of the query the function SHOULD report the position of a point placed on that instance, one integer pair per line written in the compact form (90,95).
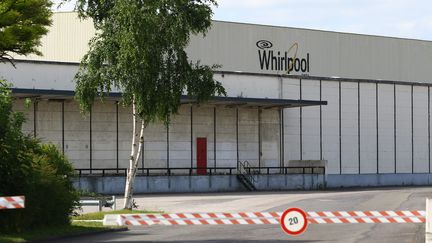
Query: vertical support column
(35,107)
(394,128)
(340,128)
(237,133)
(377,126)
(214,137)
(282,138)
(412,129)
(191,136)
(117,136)
(259,137)
(301,124)
(320,114)
(91,139)
(63,127)
(429,132)
(168,147)
(358,127)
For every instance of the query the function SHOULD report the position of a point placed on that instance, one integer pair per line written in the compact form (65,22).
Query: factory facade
(362,103)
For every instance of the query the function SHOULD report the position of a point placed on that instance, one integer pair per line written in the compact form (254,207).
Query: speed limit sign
(294,221)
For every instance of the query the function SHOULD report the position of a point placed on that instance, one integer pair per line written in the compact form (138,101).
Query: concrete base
(214,183)
(377,180)
(229,183)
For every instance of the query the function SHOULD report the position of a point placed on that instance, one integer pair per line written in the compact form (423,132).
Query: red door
(201,156)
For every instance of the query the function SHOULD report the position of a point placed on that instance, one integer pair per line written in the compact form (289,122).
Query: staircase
(244,176)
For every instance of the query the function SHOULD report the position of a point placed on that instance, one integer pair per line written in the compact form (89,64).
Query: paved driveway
(377,199)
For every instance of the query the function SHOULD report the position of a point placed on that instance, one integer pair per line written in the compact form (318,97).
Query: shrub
(37,171)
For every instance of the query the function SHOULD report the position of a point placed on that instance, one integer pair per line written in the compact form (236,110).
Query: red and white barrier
(12,202)
(248,218)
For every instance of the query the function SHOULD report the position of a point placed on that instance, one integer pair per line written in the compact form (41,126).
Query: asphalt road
(376,199)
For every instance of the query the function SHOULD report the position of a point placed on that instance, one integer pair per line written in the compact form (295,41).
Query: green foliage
(37,171)
(44,234)
(22,24)
(139,50)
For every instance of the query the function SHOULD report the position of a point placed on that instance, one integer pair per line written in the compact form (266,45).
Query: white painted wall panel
(368,132)
(270,138)
(291,90)
(226,145)
(250,86)
(330,125)
(421,146)
(104,135)
(77,136)
(155,145)
(49,124)
(180,138)
(20,106)
(311,121)
(386,128)
(403,129)
(125,136)
(349,128)
(248,135)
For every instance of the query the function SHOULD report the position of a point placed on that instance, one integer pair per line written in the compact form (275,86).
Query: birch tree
(139,50)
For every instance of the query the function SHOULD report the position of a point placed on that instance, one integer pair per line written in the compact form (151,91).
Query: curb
(82,234)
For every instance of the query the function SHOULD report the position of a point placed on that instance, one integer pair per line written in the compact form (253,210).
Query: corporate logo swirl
(287,60)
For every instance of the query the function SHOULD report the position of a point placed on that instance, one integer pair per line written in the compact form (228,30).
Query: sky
(398,18)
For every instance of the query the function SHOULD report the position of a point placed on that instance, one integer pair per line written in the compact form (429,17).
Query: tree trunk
(134,158)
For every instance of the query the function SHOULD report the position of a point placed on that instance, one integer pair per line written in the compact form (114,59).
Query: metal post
(301,124)
(340,128)
(63,127)
(168,148)
(91,138)
(412,129)
(237,133)
(35,107)
(214,136)
(117,137)
(394,128)
(191,136)
(358,127)
(321,137)
(377,126)
(259,138)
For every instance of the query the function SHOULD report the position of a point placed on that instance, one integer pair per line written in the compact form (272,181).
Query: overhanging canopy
(265,103)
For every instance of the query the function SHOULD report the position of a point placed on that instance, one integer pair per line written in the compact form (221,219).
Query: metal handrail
(242,168)
(286,170)
(153,171)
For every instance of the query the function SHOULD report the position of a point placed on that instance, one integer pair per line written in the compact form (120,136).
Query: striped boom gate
(251,218)
(12,202)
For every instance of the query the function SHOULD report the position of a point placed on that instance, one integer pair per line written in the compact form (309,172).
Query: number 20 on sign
(294,221)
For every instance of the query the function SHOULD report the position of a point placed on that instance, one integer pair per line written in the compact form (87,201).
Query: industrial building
(357,104)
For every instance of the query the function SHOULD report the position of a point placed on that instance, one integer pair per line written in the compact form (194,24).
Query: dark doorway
(201,156)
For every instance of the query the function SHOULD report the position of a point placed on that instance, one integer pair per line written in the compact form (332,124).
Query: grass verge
(76,227)
(100,215)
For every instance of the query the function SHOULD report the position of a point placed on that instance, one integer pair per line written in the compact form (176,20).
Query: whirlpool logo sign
(285,60)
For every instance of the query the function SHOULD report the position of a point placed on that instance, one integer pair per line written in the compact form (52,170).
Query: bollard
(428,215)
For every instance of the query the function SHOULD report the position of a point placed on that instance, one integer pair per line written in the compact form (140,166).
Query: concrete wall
(378,180)
(229,183)
(216,183)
